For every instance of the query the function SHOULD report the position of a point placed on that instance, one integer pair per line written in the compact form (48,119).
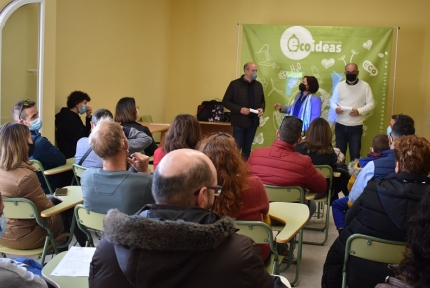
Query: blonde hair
(106,138)
(13,145)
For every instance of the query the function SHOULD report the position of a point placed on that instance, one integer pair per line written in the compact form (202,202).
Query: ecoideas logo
(297,43)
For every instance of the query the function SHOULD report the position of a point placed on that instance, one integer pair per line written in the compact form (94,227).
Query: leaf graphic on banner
(259,139)
(368,44)
(263,120)
(327,63)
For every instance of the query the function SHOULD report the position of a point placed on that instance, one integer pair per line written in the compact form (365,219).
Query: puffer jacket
(26,234)
(281,165)
(382,210)
(175,246)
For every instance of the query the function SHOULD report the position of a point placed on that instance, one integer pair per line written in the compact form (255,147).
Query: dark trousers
(351,136)
(244,137)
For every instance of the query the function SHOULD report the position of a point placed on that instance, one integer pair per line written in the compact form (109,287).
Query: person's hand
(244,111)
(260,112)
(277,106)
(139,162)
(89,111)
(354,112)
(338,110)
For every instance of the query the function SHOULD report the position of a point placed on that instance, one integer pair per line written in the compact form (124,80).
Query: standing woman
(243,196)
(126,113)
(17,179)
(68,123)
(184,132)
(306,105)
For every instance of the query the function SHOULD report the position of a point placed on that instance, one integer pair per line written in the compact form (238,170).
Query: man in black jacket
(245,99)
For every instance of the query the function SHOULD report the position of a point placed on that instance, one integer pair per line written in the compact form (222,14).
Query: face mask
(351,77)
(83,109)
(253,76)
(36,125)
(2,224)
(302,87)
(389,130)
(31,149)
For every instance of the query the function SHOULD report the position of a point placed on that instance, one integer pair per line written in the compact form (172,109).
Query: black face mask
(302,87)
(31,149)
(351,77)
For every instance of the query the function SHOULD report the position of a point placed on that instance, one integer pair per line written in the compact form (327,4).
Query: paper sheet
(346,108)
(76,262)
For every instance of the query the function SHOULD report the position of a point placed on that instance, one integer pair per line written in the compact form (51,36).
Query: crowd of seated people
(183,212)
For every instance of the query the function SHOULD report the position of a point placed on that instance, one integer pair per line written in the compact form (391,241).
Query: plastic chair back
(77,171)
(374,249)
(39,167)
(285,193)
(88,219)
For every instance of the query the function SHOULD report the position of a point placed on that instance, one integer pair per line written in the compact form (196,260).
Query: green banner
(284,54)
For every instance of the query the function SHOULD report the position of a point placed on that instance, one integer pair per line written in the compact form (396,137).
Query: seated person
(379,147)
(380,168)
(177,242)
(86,157)
(281,165)
(25,112)
(383,210)
(413,270)
(68,123)
(113,186)
(18,180)
(15,274)
(243,196)
(184,132)
(317,145)
(126,113)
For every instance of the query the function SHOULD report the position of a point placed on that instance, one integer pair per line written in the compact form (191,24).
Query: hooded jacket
(175,246)
(383,210)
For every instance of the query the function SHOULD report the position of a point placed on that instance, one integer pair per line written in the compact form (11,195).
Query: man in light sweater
(351,100)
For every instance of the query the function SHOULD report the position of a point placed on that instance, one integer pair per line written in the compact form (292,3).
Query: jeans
(349,135)
(339,208)
(244,137)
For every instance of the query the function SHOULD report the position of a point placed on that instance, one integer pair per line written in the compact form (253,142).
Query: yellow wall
(171,55)
(204,36)
(112,49)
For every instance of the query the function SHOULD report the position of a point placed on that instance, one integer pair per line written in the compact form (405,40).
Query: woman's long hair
(184,132)
(318,137)
(13,145)
(414,269)
(231,169)
(125,110)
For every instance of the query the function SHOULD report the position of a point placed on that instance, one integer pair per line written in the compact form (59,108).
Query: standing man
(25,112)
(243,96)
(351,100)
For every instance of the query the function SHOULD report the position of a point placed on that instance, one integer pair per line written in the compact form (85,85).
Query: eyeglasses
(27,103)
(217,190)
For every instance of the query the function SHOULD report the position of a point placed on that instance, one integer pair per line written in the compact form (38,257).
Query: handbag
(210,111)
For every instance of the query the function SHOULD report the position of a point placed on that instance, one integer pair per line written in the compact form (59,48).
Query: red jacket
(281,165)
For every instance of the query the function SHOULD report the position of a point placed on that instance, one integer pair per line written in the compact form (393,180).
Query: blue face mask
(83,109)
(389,130)
(2,224)
(36,125)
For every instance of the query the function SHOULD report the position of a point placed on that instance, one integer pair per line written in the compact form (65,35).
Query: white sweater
(358,96)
